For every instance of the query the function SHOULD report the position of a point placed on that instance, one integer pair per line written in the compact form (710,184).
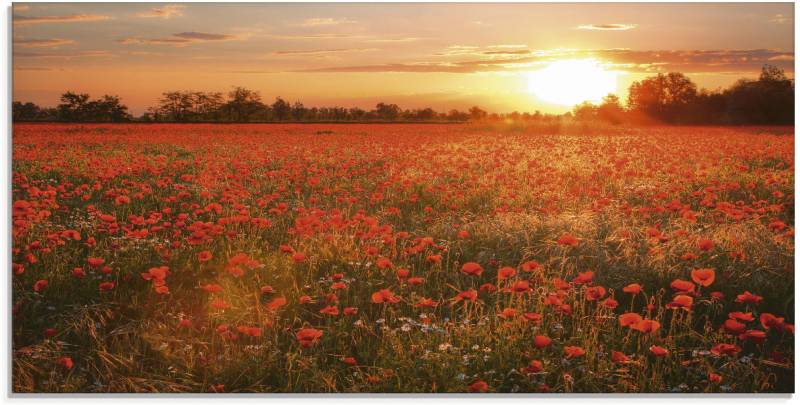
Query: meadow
(402,258)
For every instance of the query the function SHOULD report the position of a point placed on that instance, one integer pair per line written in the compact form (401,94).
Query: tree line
(666,98)
(674,99)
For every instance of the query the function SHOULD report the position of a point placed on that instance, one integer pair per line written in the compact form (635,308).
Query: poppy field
(344,258)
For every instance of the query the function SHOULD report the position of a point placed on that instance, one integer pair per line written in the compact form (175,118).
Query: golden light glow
(570,82)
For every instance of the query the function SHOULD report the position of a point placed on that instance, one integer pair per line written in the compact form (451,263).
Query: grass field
(402,258)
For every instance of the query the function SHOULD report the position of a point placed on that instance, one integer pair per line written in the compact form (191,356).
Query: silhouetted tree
(281,109)
(664,97)
(768,100)
(387,112)
(476,114)
(243,104)
(610,110)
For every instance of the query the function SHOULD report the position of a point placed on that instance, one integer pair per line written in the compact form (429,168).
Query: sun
(570,82)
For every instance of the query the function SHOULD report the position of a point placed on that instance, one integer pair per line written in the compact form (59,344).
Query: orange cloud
(180,39)
(625,59)
(314,52)
(165,12)
(27,20)
(316,22)
(607,27)
(42,43)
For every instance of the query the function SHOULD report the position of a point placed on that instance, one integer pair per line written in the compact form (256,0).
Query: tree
(281,109)
(72,106)
(610,110)
(298,111)
(769,100)
(585,111)
(387,112)
(76,107)
(243,104)
(476,114)
(663,97)
(24,111)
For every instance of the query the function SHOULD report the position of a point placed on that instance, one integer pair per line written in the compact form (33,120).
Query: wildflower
(520,286)
(619,357)
(632,289)
(573,351)
(472,269)
(204,256)
(39,285)
(308,336)
(584,278)
(646,326)
(385,296)
(681,301)
(65,362)
(530,266)
(505,273)
(541,341)
(658,351)
(748,298)
(535,366)
(567,240)
(705,244)
(478,386)
(629,319)
(595,293)
(769,321)
(682,286)
(703,277)
(725,349)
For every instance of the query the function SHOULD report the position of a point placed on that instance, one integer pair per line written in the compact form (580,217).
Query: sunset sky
(416,55)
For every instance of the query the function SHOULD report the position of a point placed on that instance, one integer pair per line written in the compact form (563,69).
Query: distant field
(402,258)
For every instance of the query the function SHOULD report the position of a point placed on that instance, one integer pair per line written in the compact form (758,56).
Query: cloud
(33,68)
(166,12)
(63,55)
(315,52)
(42,43)
(394,40)
(508,52)
(317,22)
(779,58)
(202,36)
(650,61)
(181,39)
(317,36)
(491,50)
(780,19)
(606,27)
(28,20)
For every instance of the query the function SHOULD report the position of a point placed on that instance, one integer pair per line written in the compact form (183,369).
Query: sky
(441,55)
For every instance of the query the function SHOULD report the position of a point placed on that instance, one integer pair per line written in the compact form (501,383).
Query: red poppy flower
(632,288)
(629,319)
(472,269)
(703,277)
(573,352)
(748,298)
(682,286)
(658,351)
(535,366)
(479,386)
(385,296)
(541,341)
(567,240)
(308,336)
(725,349)
(619,357)
(646,326)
